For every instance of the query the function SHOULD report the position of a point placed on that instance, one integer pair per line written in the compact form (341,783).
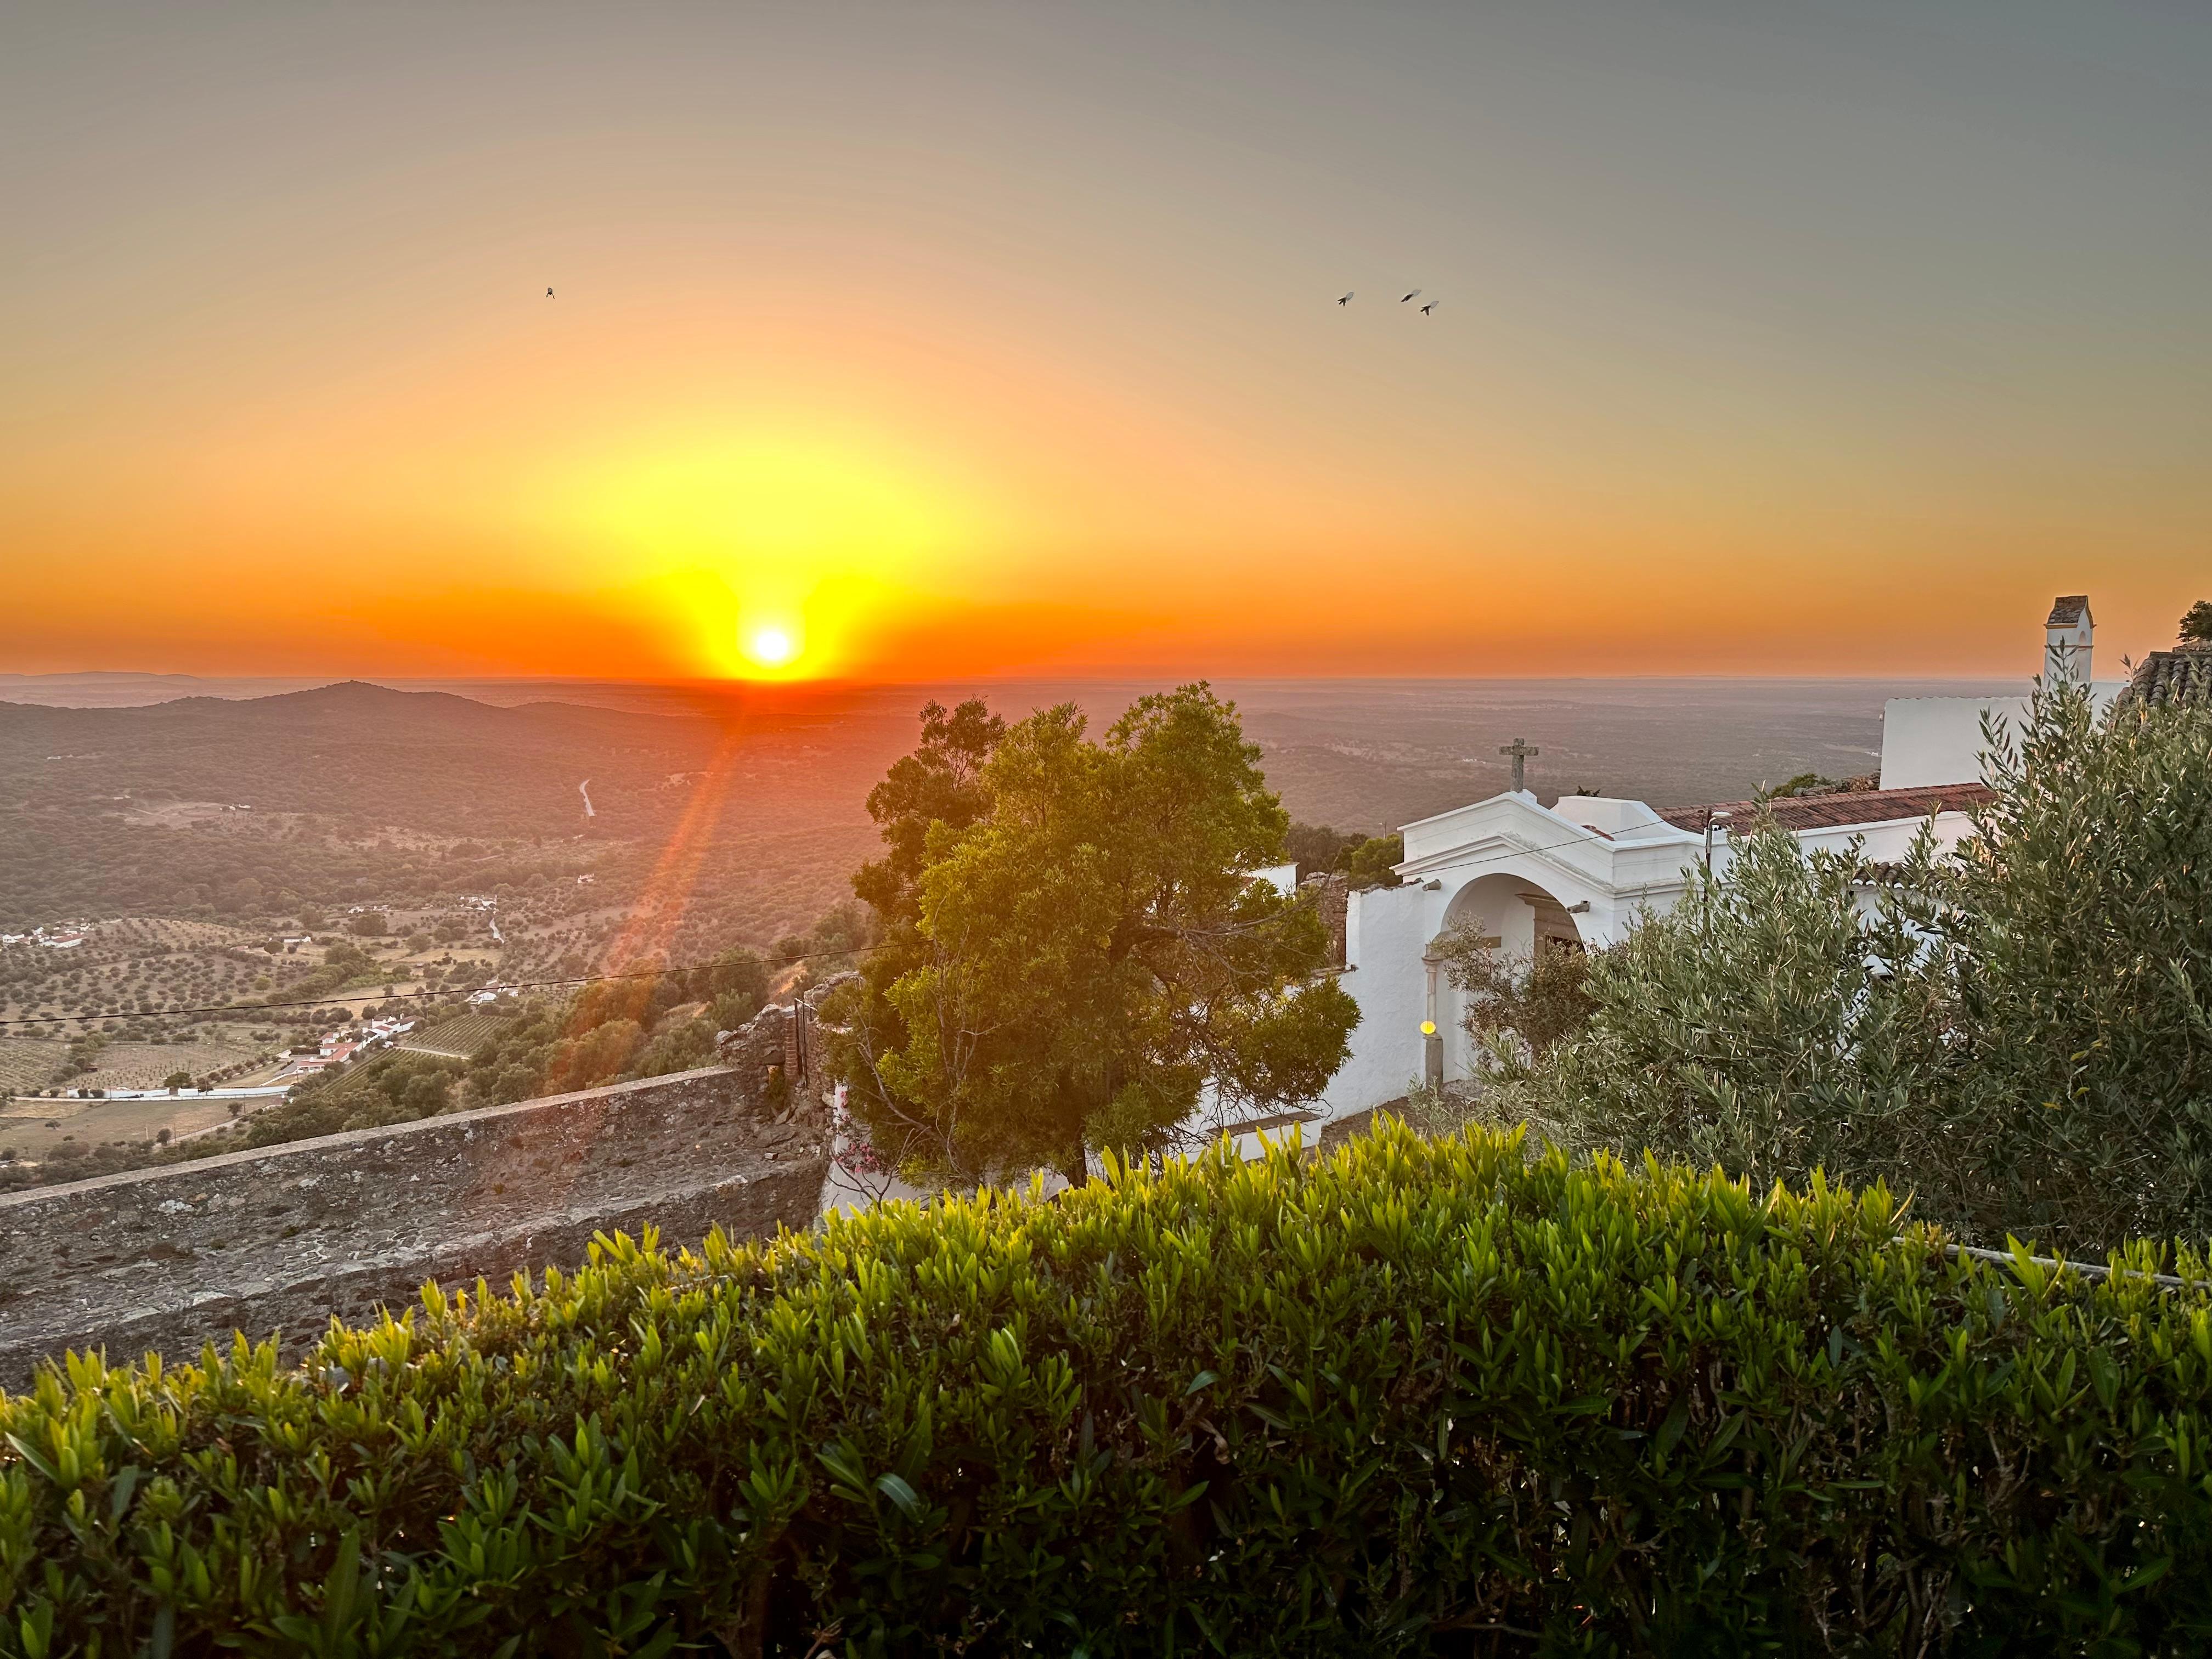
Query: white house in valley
(1575,874)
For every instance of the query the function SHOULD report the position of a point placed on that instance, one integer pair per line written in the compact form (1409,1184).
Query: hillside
(412,759)
(353,793)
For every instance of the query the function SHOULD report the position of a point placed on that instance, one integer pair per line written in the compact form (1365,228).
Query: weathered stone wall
(278,1239)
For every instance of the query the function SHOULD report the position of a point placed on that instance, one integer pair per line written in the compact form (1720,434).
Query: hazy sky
(955,338)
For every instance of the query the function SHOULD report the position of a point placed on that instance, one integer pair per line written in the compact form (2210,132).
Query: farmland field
(24,1131)
(145,1064)
(27,1062)
(459,1037)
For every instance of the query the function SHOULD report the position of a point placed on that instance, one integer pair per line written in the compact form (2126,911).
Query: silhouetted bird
(1415,294)
(1428,308)
(1346,301)
(549,292)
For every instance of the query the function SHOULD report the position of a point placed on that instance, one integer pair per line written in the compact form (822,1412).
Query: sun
(770,647)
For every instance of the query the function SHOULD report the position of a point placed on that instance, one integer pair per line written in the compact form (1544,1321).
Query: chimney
(2067,636)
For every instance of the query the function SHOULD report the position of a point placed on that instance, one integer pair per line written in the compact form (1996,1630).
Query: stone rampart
(278,1239)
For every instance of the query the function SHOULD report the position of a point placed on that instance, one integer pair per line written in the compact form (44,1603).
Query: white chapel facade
(1577,873)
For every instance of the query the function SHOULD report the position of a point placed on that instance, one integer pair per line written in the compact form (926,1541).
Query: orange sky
(914,343)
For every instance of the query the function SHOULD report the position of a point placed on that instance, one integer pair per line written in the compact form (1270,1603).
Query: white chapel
(1577,872)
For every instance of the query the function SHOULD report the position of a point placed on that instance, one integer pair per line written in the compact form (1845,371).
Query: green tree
(1536,1002)
(1368,863)
(1366,860)
(940,783)
(2079,925)
(1770,1024)
(737,987)
(1315,847)
(676,1047)
(177,1081)
(2197,620)
(1089,954)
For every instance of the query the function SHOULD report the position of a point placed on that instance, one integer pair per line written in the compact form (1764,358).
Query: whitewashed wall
(1931,740)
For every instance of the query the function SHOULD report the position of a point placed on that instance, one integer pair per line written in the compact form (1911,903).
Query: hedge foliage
(1416,1396)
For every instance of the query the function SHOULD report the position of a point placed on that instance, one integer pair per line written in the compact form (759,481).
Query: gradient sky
(954,339)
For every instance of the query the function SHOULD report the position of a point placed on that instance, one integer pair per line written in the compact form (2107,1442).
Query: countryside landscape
(834,832)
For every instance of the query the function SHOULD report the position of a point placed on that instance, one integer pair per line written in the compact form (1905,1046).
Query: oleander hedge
(1415,1397)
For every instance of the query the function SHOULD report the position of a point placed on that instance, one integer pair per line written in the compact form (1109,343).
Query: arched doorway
(1514,916)
(1513,912)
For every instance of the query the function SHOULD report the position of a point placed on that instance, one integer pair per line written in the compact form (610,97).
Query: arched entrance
(1514,912)
(1514,916)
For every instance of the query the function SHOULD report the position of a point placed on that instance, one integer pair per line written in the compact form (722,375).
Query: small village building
(1573,875)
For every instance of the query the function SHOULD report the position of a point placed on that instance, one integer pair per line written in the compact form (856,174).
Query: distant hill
(352,789)
(420,759)
(106,688)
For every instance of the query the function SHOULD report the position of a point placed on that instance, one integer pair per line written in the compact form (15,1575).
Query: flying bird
(1346,301)
(1428,308)
(1415,294)
(549,292)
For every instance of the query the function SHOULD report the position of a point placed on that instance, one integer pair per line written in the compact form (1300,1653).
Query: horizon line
(1093,677)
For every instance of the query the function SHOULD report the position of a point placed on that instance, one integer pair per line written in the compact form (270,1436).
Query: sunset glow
(951,348)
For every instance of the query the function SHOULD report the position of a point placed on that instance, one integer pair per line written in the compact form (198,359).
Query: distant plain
(217,816)
(1366,752)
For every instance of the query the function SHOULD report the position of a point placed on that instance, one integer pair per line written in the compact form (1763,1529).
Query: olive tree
(2019,1033)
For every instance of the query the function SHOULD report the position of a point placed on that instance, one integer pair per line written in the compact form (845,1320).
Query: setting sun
(770,647)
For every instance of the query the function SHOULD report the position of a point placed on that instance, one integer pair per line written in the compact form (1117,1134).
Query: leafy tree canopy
(1365,860)
(1370,863)
(1077,963)
(941,782)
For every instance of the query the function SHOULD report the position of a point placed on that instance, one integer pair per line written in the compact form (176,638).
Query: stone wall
(278,1239)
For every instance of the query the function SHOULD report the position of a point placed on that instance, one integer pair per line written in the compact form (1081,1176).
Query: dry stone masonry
(277,1240)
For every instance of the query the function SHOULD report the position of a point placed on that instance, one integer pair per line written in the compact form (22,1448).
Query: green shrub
(2020,1034)
(1768,1024)
(2081,931)
(1416,1397)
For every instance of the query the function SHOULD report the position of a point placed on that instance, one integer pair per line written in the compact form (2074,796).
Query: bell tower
(2068,637)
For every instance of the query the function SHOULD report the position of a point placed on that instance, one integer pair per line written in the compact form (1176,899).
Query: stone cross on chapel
(1520,749)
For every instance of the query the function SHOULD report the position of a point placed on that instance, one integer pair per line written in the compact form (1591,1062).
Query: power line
(408,996)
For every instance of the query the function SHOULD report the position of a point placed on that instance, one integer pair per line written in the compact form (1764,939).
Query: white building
(1928,740)
(1574,874)
(1577,873)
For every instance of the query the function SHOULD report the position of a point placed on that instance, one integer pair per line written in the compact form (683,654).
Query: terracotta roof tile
(1838,812)
(2181,675)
